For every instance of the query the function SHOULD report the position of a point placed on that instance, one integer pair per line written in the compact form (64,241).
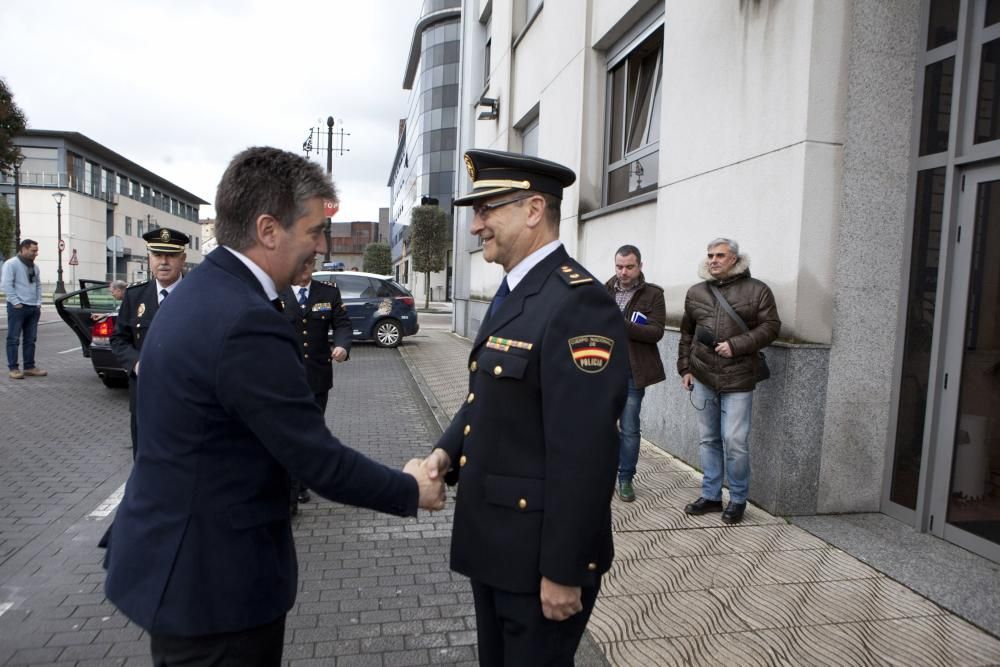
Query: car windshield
(95,299)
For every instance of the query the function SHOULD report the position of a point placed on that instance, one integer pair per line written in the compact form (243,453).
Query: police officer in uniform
(534,447)
(314,309)
(142,300)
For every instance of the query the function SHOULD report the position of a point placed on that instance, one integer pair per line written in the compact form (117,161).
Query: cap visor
(467,200)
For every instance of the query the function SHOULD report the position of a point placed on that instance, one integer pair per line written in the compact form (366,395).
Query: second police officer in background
(141,303)
(315,309)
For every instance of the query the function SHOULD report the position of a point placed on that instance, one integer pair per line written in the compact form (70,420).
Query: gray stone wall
(870,249)
(787,428)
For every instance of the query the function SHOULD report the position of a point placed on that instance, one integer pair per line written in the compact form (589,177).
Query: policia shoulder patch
(591,353)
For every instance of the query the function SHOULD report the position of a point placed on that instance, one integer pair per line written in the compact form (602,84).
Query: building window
(128,226)
(529,138)
(197,245)
(138,227)
(633,130)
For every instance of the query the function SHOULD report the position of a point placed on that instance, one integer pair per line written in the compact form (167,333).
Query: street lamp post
(17,201)
(60,286)
(329,173)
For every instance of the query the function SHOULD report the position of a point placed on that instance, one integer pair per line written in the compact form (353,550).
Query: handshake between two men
(429,473)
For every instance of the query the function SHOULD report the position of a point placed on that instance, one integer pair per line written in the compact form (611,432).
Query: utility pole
(308,147)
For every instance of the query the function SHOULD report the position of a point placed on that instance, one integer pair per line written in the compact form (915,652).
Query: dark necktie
(501,294)
(302,297)
(163,294)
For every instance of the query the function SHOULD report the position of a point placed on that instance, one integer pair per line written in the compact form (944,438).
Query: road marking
(109,504)
(4,606)
(72,349)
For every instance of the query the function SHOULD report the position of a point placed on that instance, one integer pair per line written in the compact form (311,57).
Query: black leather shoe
(703,506)
(304,496)
(734,513)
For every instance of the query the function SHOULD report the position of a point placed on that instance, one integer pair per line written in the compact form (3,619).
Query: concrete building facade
(105,195)
(847,146)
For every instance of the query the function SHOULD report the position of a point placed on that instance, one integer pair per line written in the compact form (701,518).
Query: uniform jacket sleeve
(343,330)
(123,339)
(581,410)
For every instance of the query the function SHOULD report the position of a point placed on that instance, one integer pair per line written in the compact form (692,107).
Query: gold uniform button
(306,356)
(304,320)
(468,429)
(522,503)
(471,398)
(462,461)
(591,566)
(473,366)
(305,344)
(498,370)
(304,332)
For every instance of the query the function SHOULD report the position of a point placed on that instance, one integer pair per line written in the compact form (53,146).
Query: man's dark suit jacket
(535,444)
(135,315)
(324,311)
(202,541)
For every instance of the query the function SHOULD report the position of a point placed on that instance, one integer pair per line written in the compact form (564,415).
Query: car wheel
(114,382)
(388,333)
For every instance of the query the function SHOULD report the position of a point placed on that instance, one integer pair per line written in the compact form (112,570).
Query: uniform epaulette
(139,283)
(574,275)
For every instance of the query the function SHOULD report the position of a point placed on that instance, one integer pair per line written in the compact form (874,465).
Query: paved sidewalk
(691,591)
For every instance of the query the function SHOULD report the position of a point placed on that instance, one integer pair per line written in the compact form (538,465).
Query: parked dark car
(380,309)
(91,313)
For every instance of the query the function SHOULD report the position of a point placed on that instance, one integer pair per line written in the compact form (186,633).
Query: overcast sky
(180,86)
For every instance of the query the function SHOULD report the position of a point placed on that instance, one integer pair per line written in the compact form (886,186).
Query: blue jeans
(628,424)
(724,428)
(22,321)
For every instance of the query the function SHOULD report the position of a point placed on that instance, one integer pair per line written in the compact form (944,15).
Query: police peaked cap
(166,241)
(499,172)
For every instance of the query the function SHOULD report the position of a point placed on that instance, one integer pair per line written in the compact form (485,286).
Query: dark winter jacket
(705,321)
(643,355)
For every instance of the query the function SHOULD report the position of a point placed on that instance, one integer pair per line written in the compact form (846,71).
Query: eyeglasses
(482,209)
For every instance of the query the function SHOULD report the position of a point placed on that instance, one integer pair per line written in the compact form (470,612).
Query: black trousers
(513,632)
(255,647)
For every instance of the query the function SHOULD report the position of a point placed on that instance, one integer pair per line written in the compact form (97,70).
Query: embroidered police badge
(591,353)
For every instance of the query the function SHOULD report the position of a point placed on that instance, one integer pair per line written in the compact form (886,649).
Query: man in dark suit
(315,309)
(201,553)
(535,444)
(141,302)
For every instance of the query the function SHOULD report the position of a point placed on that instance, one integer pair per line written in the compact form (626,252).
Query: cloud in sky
(180,87)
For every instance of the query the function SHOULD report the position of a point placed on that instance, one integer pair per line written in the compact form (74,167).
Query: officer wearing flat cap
(534,447)
(135,315)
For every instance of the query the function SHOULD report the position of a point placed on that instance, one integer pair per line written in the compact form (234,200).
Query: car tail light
(407,300)
(101,330)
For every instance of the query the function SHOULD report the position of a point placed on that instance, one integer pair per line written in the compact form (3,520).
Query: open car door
(89,304)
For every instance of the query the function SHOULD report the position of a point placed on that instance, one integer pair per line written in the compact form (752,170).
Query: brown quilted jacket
(643,355)
(753,301)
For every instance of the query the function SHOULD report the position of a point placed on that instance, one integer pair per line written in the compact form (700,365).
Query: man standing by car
(645,314)
(534,445)
(22,284)
(719,360)
(315,309)
(141,303)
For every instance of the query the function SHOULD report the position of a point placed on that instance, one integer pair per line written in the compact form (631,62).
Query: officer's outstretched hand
(431,490)
(437,463)
(560,602)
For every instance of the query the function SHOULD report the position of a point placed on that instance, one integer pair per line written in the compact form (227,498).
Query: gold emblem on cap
(470,167)
(142,309)
(164,235)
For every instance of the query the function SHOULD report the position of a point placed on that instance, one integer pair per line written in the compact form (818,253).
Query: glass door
(965,500)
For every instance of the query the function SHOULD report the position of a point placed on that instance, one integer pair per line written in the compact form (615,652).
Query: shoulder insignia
(574,275)
(591,353)
(137,284)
